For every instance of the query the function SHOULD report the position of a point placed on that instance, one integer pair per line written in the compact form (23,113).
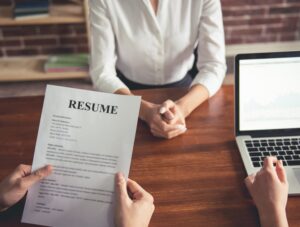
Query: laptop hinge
(274,134)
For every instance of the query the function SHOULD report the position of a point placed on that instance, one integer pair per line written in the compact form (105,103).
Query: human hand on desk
(159,120)
(172,113)
(14,187)
(269,190)
(134,210)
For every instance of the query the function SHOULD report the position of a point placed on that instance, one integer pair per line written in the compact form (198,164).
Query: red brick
(248,31)
(280,29)
(58,50)
(226,3)
(288,36)
(266,2)
(10,43)
(234,40)
(22,52)
(240,21)
(260,39)
(17,31)
(40,41)
(56,30)
(287,25)
(76,40)
(259,21)
(291,22)
(79,29)
(285,9)
(235,22)
(233,12)
(235,2)
(82,49)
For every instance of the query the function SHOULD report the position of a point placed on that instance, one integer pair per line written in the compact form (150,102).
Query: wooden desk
(196,179)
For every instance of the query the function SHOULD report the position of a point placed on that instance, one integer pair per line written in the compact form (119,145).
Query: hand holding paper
(135,211)
(14,187)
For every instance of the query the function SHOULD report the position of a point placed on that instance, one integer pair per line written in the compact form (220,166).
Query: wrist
(182,108)
(273,217)
(196,95)
(144,110)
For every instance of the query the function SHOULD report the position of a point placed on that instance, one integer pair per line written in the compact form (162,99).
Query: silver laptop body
(267,111)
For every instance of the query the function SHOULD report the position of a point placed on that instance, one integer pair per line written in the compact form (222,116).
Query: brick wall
(41,40)
(252,21)
(246,21)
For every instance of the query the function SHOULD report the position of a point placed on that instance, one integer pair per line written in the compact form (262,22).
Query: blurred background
(48,42)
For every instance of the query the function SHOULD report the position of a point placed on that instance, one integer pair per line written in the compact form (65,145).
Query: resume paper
(87,137)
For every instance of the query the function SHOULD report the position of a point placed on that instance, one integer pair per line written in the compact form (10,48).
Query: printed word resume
(87,137)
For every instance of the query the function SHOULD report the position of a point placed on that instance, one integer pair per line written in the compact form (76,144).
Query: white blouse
(156,49)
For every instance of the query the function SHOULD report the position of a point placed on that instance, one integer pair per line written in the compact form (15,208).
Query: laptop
(267,111)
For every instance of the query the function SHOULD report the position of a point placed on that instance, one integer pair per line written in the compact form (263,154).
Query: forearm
(123,91)
(196,95)
(273,219)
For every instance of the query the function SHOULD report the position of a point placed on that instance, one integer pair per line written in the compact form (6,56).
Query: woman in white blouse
(151,42)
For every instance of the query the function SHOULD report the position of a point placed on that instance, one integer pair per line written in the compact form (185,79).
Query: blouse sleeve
(211,48)
(103,50)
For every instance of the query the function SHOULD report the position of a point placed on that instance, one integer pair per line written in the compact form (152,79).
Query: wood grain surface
(196,179)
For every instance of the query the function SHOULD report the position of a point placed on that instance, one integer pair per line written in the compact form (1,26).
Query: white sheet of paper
(86,144)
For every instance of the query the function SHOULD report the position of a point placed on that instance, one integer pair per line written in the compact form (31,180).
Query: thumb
(169,115)
(249,181)
(281,172)
(165,109)
(121,187)
(166,105)
(36,176)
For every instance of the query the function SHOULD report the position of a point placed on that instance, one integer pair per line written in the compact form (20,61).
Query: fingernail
(280,163)
(169,118)
(181,127)
(162,110)
(49,168)
(120,176)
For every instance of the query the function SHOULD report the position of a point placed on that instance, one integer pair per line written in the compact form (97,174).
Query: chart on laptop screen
(269,94)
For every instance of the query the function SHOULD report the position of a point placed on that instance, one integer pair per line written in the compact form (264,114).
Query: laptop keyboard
(287,150)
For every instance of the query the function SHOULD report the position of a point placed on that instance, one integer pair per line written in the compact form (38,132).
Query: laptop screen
(269,93)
